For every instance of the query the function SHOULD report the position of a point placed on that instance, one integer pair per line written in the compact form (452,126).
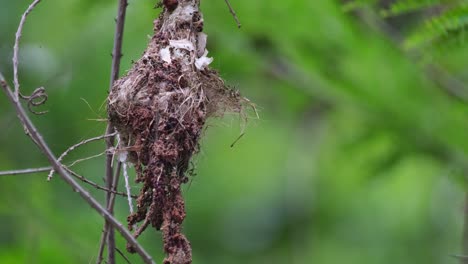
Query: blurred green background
(358,156)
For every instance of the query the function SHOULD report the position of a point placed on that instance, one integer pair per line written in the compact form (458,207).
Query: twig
(102,243)
(108,233)
(42,145)
(237,139)
(82,178)
(38,96)
(16,47)
(85,159)
(97,186)
(115,183)
(70,149)
(233,13)
(110,206)
(25,171)
(123,256)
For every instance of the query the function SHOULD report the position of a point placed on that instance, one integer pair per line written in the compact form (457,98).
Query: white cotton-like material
(123,156)
(127,187)
(181,44)
(202,62)
(165,55)
(188,10)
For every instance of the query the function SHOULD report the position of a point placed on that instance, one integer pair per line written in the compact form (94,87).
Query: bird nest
(159,109)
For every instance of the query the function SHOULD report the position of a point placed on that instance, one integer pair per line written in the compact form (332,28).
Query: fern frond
(407,6)
(452,23)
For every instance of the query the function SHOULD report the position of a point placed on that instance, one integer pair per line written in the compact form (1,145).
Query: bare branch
(70,149)
(82,178)
(67,167)
(233,13)
(110,207)
(16,47)
(108,233)
(114,185)
(39,141)
(24,171)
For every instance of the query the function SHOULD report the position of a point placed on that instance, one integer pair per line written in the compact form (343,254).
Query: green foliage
(358,155)
(437,22)
(449,25)
(400,7)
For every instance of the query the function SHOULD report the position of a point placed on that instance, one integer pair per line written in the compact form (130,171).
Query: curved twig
(37,98)
(18,35)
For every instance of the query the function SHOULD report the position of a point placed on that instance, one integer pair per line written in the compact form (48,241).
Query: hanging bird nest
(159,109)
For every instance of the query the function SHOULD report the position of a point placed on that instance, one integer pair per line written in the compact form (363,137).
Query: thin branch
(110,207)
(123,256)
(78,176)
(99,187)
(25,171)
(42,145)
(85,159)
(102,244)
(115,183)
(108,233)
(16,47)
(70,149)
(233,13)
(67,167)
